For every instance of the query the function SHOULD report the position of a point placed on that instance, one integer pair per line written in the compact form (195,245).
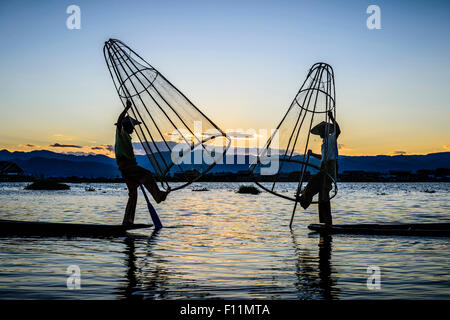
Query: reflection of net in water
(180,142)
(285,157)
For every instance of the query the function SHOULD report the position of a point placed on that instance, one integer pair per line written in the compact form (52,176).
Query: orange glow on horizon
(82,150)
(107,150)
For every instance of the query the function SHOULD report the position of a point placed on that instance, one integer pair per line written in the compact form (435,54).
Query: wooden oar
(153,214)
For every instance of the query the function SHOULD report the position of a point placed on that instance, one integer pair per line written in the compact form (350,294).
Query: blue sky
(241,62)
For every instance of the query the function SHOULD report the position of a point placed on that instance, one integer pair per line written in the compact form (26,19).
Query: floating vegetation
(200,189)
(429,191)
(248,189)
(47,185)
(89,188)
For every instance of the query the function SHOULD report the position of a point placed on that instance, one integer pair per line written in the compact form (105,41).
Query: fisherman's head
(128,124)
(323,129)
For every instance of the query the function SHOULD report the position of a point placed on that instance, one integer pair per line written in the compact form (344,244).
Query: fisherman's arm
(122,115)
(338,130)
(315,155)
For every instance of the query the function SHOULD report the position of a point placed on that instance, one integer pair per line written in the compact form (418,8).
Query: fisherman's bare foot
(127,223)
(162,196)
(303,202)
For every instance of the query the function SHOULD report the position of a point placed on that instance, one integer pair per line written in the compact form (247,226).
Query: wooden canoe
(422,229)
(54,229)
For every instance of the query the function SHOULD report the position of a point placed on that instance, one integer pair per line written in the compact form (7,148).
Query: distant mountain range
(51,164)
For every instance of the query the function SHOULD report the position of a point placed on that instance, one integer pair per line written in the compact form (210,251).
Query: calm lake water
(220,244)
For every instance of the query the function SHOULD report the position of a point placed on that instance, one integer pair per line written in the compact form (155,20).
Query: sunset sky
(240,62)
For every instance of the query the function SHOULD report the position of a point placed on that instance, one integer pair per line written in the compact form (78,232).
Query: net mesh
(284,157)
(180,142)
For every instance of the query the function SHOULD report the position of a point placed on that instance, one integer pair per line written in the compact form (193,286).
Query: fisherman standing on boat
(133,174)
(322,181)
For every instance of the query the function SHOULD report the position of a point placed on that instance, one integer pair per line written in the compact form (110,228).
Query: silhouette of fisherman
(322,181)
(133,174)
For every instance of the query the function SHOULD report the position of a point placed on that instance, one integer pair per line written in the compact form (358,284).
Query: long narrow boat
(423,229)
(52,229)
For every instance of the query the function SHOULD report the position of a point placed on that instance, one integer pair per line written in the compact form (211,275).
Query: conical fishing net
(285,155)
(180,142)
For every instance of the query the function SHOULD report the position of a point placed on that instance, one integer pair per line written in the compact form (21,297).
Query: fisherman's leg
(131,204)
(148,180)
(325,207)
(329,173)
(311,189)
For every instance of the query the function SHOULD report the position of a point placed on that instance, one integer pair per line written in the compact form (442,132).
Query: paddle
(153,214)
